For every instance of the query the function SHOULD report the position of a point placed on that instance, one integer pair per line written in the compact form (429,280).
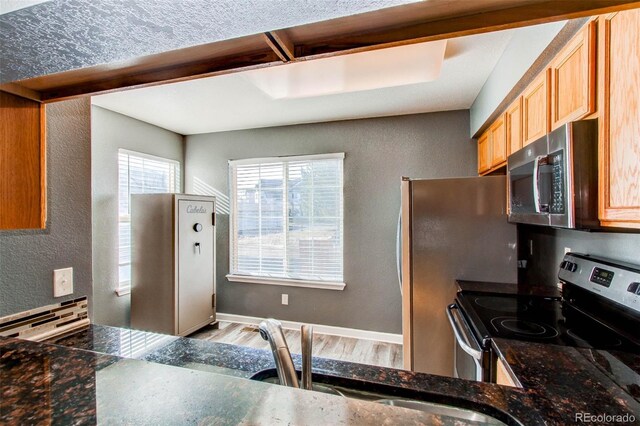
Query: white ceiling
(234,101)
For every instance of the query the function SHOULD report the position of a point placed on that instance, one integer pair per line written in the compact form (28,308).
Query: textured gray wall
(28,258)
(62,35)
(379,152)
(549,244)
(111,131)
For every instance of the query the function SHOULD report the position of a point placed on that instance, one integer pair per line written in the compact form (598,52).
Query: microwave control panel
(557,194)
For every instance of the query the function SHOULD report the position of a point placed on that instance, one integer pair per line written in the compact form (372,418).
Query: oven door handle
(461,336)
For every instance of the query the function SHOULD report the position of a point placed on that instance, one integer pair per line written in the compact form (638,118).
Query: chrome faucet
(271,331)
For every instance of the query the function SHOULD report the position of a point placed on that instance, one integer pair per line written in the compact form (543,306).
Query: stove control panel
(601,276)
(616,281)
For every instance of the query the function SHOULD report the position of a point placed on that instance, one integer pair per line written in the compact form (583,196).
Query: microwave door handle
(460,335)
(536,182)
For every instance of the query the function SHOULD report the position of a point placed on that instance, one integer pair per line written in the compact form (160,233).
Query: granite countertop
(50,384)
(109,374)
(575,380)
(508,288)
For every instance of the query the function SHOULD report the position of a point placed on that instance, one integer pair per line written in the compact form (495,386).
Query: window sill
(123,291)
(286,282)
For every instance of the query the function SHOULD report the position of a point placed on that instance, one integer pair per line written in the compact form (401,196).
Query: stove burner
(608,342)
(507,305)
(524,328)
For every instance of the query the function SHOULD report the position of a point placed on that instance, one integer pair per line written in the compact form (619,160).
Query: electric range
(599,309)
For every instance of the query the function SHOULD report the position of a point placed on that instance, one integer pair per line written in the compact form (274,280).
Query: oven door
(468,356)
(530,184)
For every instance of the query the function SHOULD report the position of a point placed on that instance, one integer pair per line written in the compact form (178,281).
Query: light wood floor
(334,347)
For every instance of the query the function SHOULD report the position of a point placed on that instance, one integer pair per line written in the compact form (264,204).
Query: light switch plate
(285,299)
(62,282)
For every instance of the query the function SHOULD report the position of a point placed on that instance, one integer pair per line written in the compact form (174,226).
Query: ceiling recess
(376,69)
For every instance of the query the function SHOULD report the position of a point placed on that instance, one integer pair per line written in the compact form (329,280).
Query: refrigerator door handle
(461,336)
(399,249)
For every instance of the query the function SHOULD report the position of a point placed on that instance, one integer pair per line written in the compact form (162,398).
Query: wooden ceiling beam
(496,20)
(412,23)
(23,92)
(285,43)
(173,74)
(274,43)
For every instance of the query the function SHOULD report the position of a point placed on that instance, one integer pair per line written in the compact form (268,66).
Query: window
(138,174)
(287,221)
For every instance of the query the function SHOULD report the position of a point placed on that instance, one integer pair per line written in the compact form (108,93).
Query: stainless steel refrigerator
(172,262)
(451,229)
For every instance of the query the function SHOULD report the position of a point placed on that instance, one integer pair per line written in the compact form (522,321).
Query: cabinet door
(22,163)
(498,139)
(484,153)
(535,109)
(619,150)
(503,376)
(573,78)
(513,124)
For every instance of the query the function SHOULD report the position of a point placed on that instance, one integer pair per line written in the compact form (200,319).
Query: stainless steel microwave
(554,180)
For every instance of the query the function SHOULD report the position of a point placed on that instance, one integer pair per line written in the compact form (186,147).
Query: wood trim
(620,224)
(412,23)
(23,92)
(603,140)
(43,167)
(285,43)
(409,31)
(165,75)
(273,44)
(407,294)
(504,374)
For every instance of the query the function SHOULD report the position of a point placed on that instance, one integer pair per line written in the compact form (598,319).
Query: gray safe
(172,262)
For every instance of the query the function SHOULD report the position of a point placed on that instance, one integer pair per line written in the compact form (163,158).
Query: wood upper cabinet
(484,153)
(22,163)
(498,139)
(619,92)
(573,78)
(535,109)
(513,125)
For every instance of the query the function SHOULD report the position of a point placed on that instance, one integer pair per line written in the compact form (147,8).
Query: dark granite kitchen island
(49,383)
(104,375)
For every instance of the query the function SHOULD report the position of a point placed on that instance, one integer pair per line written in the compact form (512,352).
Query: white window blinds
(139,174)
(287,218)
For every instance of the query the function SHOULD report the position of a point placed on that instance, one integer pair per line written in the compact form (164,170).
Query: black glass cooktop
(537,319)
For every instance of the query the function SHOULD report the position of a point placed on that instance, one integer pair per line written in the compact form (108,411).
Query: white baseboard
(319,328)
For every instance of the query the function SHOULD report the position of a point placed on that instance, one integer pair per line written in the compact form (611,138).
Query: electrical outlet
(62,282)
(285,299)
(567,250)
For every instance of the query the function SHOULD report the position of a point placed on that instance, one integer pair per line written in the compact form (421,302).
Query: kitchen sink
(388,395)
